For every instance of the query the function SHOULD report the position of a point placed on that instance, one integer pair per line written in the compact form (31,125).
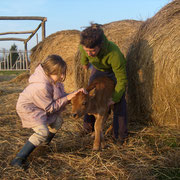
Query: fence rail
(14,60)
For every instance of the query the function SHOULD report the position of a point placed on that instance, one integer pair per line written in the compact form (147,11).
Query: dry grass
(150,152)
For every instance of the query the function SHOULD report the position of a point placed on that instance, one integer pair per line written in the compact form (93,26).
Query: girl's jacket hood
(39,76)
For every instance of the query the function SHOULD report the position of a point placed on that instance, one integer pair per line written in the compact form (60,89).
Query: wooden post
(7,60)
(22,18)
(20,63)
(10,61)
(24,59)
(43,30)
(4,59)
(37,38)
(26,55)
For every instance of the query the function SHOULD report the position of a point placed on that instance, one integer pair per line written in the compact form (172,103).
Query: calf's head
(80,103)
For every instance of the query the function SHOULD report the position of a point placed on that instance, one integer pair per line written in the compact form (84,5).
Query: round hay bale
(119,32)
(63,43)
(153,66)
(81,75)
(122,33)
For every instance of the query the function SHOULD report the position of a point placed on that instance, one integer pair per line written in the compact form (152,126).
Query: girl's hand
(82,90)
(73,94)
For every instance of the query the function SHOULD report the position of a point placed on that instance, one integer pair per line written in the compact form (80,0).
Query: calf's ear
(92,92)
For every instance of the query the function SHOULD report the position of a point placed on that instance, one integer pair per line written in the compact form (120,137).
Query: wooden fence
(14,60)
(32,33)
(21,61)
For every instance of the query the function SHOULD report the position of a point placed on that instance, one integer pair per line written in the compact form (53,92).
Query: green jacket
(109,58)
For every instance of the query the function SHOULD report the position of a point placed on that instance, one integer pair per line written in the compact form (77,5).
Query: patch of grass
(171,142)
(11,72)
(167,173)
(161,138)
(9,75)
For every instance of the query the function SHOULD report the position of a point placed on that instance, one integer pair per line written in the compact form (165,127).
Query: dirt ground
(150,152)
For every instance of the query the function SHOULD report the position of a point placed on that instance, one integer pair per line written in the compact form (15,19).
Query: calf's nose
(74,115)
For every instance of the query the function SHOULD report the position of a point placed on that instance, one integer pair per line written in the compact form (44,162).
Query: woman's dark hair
(54,65)
(92,36)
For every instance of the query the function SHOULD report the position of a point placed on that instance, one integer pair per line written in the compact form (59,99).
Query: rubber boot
(120,131)
(21,157)
(49,138)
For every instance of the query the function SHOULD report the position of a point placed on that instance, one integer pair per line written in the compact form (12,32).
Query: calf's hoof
(93,135)
(96,147)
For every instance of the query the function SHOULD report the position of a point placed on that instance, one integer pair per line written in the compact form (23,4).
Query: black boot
(21,157)
(49,138)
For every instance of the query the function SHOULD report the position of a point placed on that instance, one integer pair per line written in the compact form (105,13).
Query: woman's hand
(110,102)
(86,67)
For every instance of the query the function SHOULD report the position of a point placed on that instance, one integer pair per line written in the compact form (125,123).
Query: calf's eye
(84,103)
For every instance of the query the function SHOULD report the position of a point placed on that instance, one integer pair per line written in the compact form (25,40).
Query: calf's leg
(99,137)
(98,133)
(102,135)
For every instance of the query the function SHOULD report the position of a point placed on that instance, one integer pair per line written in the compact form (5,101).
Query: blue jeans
(119,110)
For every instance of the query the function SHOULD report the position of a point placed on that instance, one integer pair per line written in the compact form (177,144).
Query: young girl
(40,104)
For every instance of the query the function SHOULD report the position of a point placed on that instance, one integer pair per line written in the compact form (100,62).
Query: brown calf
(95,103)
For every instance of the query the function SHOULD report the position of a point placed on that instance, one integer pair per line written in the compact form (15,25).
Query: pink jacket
(41,100)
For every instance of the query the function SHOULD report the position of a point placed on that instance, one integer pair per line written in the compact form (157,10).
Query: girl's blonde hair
(54,65)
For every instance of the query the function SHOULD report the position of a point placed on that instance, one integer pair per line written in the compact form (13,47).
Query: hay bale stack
(119,32)
(63,43)
(153,65)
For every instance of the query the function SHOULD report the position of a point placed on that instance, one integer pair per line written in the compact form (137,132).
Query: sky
(69,15)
